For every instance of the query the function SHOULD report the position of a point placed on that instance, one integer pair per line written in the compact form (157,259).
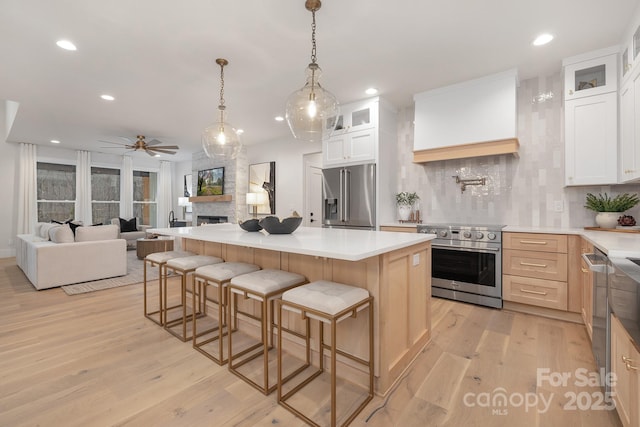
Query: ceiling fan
(151,148)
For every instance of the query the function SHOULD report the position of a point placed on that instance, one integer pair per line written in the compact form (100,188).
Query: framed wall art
(211,182)
(262,180)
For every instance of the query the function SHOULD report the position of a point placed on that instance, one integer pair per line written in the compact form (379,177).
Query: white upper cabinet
(593,76)
(466,116)
(356,138)
(353,117)
(630,128)
(591,118)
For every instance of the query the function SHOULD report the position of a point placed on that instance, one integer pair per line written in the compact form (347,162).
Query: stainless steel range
(466,262)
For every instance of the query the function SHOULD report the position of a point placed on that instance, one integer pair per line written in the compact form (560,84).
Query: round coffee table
(147,246)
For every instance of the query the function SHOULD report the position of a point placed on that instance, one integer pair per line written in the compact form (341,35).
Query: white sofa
(93,253)
(131,236)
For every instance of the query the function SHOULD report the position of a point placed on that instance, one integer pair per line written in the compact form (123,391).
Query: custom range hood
(470,119)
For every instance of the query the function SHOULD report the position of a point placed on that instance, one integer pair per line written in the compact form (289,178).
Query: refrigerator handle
(347,195)
(341,198)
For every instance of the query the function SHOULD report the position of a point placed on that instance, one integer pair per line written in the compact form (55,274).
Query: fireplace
(211,219)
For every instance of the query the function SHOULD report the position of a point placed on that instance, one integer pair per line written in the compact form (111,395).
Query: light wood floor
(94,360)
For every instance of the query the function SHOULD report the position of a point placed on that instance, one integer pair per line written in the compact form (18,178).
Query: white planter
(404,212)
(607,219)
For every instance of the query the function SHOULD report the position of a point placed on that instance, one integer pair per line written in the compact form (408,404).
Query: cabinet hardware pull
(526,291)
(584,270)
(628,363)
(531,264)
(533,242)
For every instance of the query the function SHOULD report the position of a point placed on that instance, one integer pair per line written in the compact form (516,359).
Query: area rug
(135,274)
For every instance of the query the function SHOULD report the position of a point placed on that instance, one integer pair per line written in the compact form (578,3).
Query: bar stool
(328,302)
(183,267)
(159,259)
(264,286)
(218,275)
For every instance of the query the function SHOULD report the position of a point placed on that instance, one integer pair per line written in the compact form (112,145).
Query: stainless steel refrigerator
(349,197)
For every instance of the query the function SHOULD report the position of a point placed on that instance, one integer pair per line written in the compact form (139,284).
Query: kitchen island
(394,267)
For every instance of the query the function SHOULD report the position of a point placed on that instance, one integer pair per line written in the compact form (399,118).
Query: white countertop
(349,245)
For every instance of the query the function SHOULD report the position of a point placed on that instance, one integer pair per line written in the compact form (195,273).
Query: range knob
(443,233)
(433,231)
(491,236)
(467,234)
(479,235)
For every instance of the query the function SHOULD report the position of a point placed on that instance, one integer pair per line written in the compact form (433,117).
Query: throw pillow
(73,225)
(62,234)
(52,231)
(128,226)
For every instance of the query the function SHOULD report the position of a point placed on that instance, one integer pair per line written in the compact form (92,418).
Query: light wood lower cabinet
(535,270)
(399,229)
(528,290)
(625,369)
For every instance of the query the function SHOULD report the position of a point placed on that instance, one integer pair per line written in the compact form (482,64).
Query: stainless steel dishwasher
(600,339)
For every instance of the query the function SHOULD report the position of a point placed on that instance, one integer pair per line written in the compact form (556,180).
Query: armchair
(130,233)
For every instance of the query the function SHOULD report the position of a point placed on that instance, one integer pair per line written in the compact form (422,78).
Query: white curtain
(164,194)
(27,189)
(83,187)
(126,188)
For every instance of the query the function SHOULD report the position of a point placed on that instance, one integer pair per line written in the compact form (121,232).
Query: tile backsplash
(524,190)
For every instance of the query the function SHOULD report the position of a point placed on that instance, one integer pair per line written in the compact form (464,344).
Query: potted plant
(608,208)
(405,201)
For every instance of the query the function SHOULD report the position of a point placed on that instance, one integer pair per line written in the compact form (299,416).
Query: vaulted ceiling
(157,58)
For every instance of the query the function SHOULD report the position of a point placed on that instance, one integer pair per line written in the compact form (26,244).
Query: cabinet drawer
(527,290)
(540,265)
(535,242)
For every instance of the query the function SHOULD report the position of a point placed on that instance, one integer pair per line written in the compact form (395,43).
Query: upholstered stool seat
(330,303)
(263,286)
(183,267)
(158,259)
(217,275)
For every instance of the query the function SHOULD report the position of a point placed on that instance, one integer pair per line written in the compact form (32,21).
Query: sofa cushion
(100,232)
(62,234)
(45,227)
(128,225)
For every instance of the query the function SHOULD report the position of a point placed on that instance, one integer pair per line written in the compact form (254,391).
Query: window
(145,188)
(105,195)
(56,191)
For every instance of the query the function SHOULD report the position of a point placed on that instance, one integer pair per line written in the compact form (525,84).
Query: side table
(147,246)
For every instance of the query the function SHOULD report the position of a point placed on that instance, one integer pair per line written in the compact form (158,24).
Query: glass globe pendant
(221,139)
(312,109)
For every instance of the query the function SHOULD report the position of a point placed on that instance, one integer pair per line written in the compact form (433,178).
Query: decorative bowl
(250,225)
(273,225)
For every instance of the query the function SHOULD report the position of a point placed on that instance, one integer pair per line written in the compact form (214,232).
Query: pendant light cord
(221,106)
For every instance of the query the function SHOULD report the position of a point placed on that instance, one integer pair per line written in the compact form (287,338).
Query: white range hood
(470,119)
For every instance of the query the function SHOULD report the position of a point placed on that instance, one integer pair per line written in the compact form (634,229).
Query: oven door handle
(459,248)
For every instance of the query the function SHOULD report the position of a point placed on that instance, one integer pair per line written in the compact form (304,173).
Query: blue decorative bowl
(273,225)
(250,225)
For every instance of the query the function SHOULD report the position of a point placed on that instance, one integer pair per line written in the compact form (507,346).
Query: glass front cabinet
(590,77)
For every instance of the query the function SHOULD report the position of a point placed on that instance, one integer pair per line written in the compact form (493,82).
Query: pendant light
(221,139)
(311,108)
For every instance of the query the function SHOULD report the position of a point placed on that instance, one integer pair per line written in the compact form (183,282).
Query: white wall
(288,155)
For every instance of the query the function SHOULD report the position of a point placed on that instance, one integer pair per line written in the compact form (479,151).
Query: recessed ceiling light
(371,91)
(107,97)
(66,45)
(156,155)
(54,141)
(239,131)
(279,118)
(542,39)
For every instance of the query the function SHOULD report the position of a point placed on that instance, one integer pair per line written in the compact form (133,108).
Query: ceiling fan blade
(167,147)
(161,151)
(129,140)
(111,142)
(149,152)
(154,142)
